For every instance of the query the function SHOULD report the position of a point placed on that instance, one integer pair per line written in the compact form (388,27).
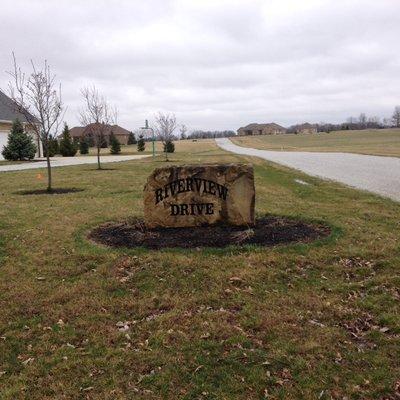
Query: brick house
(261,129)
(305,128)
(79,132)
(8,114)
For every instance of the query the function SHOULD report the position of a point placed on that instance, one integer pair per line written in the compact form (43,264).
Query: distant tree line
(362,122)
(199,134)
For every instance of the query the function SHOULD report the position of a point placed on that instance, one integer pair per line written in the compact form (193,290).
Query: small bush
(54,147)
(103,141)
(20,144)
(115,144)
(84,145)
(132,138)
(141,145)
(67,147)
(169,146)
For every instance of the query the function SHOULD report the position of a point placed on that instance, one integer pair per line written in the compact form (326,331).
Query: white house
(8,113)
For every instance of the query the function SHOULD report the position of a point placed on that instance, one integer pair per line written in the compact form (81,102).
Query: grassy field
(382,142)
(80,321)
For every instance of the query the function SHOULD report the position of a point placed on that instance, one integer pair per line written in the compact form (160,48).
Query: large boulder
(197,195)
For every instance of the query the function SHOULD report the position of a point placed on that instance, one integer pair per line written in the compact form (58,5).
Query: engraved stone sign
(197,195)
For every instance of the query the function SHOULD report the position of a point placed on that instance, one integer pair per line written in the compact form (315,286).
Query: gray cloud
(216,64)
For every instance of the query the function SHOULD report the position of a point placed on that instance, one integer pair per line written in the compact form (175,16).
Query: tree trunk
(166,153)
(49,188)
(38,147)
(98,158)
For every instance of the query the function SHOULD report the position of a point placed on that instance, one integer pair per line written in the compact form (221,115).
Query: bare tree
(352,120)
(97,115)
(165,125)
(38,98)
(387,122)
(396,117)
(374,122)
(362,119)
(182,130)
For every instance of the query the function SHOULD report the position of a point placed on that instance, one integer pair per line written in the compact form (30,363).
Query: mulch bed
(268,231)
(45,191)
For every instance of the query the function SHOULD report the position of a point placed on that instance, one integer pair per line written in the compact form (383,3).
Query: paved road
(66,161)
(380,175)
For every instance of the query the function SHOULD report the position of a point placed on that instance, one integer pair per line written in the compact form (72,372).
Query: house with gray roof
(9,113)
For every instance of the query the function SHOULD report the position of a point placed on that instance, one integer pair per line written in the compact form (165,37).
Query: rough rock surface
(198,195)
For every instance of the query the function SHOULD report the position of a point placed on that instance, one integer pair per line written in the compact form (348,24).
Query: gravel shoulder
(376,174)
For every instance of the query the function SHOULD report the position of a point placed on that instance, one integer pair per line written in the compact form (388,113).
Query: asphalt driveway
(380,175)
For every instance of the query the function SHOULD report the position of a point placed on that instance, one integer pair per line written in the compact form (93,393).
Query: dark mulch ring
(45,191)
(268,231)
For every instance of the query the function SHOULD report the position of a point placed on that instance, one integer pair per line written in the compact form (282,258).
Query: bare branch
(165,125)
(37,97)
(97,115)
(182,130)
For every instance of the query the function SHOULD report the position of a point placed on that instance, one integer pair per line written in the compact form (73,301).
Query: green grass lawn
(382,142)
(81,321)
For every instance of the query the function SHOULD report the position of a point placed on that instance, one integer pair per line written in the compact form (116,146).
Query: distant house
(305,128)
(76,133)
(8,114)
(261,129)
(79,132)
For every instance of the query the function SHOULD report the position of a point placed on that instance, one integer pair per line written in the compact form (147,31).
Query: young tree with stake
(98,115)
(38,98)
(165,126)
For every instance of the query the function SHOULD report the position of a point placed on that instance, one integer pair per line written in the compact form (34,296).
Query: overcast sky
(216,64)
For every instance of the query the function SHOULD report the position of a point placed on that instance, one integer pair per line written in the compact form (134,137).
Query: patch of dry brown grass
(87,322)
